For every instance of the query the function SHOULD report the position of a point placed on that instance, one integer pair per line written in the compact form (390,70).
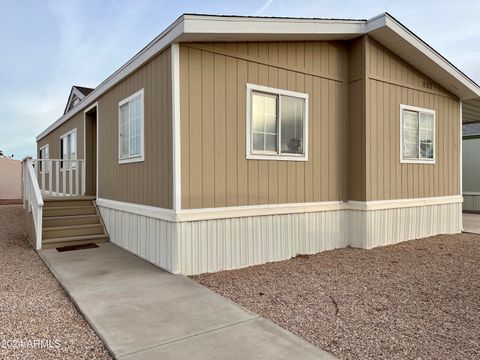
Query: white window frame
(43,168)
(264,155)
(419,160)
(141,156)
(62,165)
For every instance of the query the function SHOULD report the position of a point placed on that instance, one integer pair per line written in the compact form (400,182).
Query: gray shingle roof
(471,129)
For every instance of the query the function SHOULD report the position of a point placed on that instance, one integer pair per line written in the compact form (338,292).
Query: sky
(48,46)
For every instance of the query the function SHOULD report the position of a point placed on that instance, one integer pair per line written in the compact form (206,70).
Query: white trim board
(187,215)
(144,210)
(237,28)
(177,180)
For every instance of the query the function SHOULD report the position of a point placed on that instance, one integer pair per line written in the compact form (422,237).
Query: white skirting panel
(471,202)
(222,244)
(149,238)
(390,226)
(199,246)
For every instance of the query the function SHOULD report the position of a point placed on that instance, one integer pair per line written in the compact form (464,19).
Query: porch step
(67,201)
(74,230)
(69,210)
(56,221)
(71,220)
(73,240)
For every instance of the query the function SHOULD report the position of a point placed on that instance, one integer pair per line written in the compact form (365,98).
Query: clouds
(51,46)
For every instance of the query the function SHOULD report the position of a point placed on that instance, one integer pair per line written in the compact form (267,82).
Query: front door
(91,152)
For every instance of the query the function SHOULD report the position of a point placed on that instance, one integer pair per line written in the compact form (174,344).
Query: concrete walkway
(471,223)
(143,312)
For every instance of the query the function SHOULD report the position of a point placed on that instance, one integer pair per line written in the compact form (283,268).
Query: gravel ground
(415,300)
(33,306)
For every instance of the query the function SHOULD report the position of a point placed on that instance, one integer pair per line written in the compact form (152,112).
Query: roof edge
(195,24)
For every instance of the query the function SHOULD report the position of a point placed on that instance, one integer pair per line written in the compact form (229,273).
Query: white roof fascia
(196,24)
(429,52)
(204,27)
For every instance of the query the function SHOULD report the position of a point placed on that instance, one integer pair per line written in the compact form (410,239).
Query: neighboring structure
(233,141)
(10,180)
(471,166)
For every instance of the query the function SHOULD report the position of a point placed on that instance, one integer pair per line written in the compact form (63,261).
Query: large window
(418,135)
(68,149)
(130,112)
(43,154)
(276,124)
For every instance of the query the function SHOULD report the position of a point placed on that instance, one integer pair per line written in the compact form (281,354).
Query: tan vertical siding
(356,125)
(393,82)
(53,139)
(148,182)
(213,78)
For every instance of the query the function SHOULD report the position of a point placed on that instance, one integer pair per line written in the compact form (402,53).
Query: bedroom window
(417,135)
(68,148)
(43,154)
(130,114)
(276,124)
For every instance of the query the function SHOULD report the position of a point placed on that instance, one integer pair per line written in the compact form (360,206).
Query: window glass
(277,123)
(292,125)
(418,128)
(410,134)
(426,136)
(130,128)
(264,122)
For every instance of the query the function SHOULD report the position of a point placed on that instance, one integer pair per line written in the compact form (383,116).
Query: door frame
(84,175)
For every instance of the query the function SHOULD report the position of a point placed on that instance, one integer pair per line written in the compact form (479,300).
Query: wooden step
(69,211)
(67,202)
(55,221)
(75,230)
(73,240)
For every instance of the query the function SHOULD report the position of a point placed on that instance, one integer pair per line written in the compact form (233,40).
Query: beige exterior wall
(10,179)
(53,138)
(148,182)
(355,91)
(391,82)
(356,129)
(213,78)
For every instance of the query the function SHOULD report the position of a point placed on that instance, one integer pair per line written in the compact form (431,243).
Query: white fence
(58,177)
(32,199)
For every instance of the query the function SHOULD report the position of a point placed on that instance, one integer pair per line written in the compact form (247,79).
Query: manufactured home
(230,141)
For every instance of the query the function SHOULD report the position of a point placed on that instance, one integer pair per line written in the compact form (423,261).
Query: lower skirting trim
(196,247)
(471,201)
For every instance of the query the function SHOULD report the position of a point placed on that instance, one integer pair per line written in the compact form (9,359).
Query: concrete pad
(143,312)
(253,339)
(471,223)
(156,313)
(84,272)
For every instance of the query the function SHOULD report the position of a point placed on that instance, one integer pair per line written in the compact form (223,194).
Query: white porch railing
(58,177)
(32,199)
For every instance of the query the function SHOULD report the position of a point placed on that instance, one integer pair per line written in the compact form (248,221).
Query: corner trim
(177,180)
